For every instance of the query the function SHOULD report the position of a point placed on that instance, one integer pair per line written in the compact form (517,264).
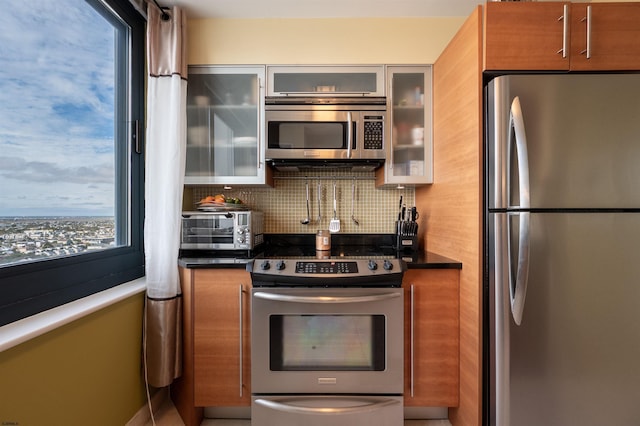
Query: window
(71,171)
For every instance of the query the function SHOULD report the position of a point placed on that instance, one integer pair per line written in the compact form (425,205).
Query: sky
(56,109)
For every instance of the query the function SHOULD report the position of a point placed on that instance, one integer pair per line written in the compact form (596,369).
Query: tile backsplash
(284,205)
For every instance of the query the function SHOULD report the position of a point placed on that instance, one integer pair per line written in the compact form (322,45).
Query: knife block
(406,240)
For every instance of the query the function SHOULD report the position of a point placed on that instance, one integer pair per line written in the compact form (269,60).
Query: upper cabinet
(561,36)
(225,128)
(409,133)
(605,36)
(524,36)
(325,80)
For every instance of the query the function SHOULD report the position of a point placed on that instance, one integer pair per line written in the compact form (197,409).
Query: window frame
(30,288)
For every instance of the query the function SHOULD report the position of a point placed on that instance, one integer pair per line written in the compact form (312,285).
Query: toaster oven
(228,230)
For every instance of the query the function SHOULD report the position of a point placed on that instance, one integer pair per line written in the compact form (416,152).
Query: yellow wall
(319,41)
(88,372)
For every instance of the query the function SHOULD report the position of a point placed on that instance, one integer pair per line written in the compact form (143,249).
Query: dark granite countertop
(303,245)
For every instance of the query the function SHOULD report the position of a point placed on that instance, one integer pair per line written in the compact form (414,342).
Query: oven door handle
(326,299)
(360,405)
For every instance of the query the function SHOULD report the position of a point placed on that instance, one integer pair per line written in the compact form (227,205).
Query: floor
(167,415)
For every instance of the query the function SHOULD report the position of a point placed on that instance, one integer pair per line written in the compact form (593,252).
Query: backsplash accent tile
(284,205)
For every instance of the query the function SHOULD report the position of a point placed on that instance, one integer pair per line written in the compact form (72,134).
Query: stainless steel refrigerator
(562,250)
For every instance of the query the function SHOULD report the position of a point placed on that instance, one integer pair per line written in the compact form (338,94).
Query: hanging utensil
(334,224)
(353,203)
(414,214)
(306,220)
(319,202)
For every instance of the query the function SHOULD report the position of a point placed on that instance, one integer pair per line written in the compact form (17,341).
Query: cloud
(56,104)
(42,171)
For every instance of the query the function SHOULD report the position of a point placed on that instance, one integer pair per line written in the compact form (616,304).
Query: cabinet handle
(565,30)
(258,104)
(588,19)
(391,133)
(412,341)
(349,134)
(240,309)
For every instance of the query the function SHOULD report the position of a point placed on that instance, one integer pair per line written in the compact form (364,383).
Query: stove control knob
(280,265)
(373,265)
(265,265)
(387,265)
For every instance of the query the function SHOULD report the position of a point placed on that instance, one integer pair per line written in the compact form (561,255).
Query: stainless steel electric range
(327,340)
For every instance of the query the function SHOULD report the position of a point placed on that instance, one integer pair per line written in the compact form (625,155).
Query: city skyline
(28,239)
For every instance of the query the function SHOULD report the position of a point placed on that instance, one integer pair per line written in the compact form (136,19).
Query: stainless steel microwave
(344,129)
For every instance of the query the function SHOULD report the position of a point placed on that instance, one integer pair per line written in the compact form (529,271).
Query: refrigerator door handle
(518,282)
(518,141)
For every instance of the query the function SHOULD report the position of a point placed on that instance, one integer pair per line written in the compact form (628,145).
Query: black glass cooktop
(342,246)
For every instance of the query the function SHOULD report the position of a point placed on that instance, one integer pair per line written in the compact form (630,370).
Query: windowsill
(25,329)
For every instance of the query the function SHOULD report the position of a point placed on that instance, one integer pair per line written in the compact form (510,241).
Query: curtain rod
(165,16)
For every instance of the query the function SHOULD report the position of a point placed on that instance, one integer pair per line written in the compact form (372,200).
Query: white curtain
(164,167)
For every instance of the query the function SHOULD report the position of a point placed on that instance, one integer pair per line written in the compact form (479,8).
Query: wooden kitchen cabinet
(221,315)
(552,36)
(615,36)
(524,36)
(216,353)
(431,338)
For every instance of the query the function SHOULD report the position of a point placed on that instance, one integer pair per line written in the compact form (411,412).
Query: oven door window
(327,342)
(309,135)
(217,229)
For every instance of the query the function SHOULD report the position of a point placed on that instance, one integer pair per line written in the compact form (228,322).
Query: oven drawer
(322,410)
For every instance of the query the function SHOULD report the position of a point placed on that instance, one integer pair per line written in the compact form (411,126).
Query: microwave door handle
(349,134)
(260,125)
(325,299)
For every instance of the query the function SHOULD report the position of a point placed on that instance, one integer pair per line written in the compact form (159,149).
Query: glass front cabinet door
(409,136)
(225,126)
(325,80)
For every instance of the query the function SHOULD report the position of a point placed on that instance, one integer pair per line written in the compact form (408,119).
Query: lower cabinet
(221,329)
(431,338)
(216,351)
(216,340)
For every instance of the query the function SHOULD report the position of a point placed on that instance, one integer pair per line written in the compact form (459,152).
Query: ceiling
(322,8)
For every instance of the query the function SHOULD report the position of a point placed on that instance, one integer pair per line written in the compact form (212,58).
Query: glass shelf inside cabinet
(408,124)
(222,125)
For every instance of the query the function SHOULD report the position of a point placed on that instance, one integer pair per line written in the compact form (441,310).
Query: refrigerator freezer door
(583,135)
(574,358)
